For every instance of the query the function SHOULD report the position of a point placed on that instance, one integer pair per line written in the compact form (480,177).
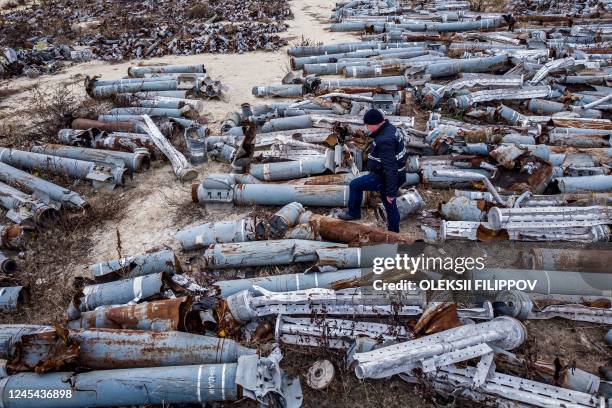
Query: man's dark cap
(373,117)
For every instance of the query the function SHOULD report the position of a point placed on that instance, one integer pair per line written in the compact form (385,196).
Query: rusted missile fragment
(107,348)
(535,180)
(597,50)
(43,352)
(584,123)
(335,230)
(159,315)
(544,18)
(9,333)
(437,317)
(340,179)
(111,348)
(12,236)
(84,124)
(487,135)
(125,144)
(542,301)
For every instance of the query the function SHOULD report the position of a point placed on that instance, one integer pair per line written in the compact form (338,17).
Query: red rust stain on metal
(43,352)
(85,124)
(194,192)
(354,233)
(437,319)
(487,235)
(581,124)
(171,310)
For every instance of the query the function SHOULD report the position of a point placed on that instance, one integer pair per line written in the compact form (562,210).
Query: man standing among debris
(386,161)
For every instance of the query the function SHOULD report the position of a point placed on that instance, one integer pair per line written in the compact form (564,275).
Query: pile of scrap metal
(157,28)
(172,94)
(42,59)
(141,312)
(528,178)
(326,306)
(129,332)
(109,150)
(518,108)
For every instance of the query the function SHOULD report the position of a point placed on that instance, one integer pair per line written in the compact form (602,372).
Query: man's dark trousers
(373,182)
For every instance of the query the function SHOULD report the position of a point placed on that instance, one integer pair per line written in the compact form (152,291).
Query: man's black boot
(345,216)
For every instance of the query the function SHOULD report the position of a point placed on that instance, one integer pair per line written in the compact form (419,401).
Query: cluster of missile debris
(156,107)
(140,318)
(81,31)
(510,109)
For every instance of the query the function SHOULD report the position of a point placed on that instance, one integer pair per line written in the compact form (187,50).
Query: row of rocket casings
(384,65)
(572,149)
(394,22)
(291,236)
(451,11)
(585,106)
(125,361)
(578,217)
(428,57)
(239,306)
(580,127)
(41,206)
(104,168)
(576,159)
